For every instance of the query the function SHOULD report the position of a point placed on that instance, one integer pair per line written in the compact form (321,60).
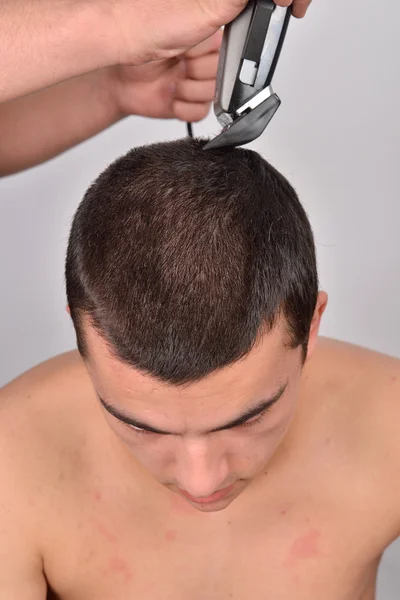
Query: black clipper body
(245,102)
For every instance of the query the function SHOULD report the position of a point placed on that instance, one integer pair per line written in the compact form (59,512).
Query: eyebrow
(252,412)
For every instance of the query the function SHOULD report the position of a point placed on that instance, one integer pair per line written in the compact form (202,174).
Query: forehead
(254,377)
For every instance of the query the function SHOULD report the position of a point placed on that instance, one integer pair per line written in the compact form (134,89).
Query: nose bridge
(202,465)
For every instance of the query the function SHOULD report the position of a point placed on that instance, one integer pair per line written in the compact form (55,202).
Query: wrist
(95,34)
(108,94)
(127,24)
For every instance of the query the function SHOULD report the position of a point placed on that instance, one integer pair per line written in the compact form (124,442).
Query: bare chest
(295,552)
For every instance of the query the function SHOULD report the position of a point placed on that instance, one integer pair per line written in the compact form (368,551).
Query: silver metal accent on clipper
(256,100)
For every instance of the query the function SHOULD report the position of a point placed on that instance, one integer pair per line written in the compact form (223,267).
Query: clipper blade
(247,127)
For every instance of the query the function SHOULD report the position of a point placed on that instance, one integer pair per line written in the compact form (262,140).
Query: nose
(201,467)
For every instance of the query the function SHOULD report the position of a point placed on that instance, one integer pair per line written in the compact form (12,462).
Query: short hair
(182,258)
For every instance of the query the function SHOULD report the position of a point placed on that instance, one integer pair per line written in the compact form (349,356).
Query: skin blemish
(393,379)
(105,531)
(119,566)
(305,546)
(284,510)
(170,535)
(97,495)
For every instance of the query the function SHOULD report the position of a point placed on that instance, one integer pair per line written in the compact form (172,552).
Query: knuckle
(186,111)
(199,91)
(201,112)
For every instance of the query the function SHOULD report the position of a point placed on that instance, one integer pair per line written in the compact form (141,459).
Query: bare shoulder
(362,387)
(42,412)
(24,448)
(32,407)
(30,402)
(350,359)
(347,370)
(364,380)
(42,423)
(39,379)
(49,384)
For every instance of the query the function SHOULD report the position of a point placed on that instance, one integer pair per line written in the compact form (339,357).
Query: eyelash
(140,431)
(251,423)
(255,420)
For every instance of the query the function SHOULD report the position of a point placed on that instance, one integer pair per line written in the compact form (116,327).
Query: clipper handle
(249,53)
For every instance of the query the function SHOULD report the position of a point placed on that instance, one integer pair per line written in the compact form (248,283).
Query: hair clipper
(244,101)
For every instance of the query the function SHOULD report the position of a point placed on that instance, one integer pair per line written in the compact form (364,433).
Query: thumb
(221,12)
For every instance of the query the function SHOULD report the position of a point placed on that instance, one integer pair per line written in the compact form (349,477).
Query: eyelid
(137,429)
(249,423)
(257,418)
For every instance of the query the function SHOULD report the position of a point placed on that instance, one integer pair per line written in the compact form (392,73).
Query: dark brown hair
(182,258)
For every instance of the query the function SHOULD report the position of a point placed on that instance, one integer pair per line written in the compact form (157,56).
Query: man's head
(192,284)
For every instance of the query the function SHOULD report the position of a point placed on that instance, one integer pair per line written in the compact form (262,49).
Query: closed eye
(257,419)
(250,423)
(138,429)
(249,419)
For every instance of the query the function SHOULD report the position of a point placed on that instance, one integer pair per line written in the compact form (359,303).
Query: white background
(337,139)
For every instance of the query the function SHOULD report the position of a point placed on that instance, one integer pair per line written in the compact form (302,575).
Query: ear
(322,302)
(67,308)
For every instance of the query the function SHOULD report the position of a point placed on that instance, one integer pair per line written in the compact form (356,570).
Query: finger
(300,8)
(204,67)
(212,44)
(191,90)
(191,111)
